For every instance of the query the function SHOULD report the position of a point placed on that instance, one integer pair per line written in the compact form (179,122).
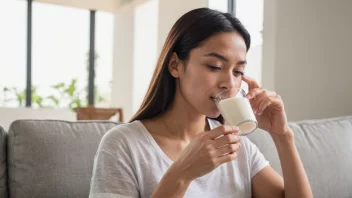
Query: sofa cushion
(325,149)
(49,158)
(3,173)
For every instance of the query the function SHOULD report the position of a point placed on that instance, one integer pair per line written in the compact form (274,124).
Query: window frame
(91,73)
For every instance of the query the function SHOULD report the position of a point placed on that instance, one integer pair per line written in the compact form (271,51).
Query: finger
(222,130)
(227,158)
(226,139)
(264,104)
(260,97)
(252,84)
(254,92)
(275,102)
(227,149)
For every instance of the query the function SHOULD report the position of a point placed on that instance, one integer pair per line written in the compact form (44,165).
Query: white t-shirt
(129,163)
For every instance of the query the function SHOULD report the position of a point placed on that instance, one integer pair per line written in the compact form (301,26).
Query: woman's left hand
(268,108)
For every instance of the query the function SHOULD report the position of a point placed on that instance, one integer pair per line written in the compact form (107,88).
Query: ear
(174,65)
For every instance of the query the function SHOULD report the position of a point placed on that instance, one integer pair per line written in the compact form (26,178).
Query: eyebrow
(213,54)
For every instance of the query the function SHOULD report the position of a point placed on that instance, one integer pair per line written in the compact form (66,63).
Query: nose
(229,81)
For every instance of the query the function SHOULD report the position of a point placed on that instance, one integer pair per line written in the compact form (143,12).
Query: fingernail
(249,97)
(259,113)
(235,128)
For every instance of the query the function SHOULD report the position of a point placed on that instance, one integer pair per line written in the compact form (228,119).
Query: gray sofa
(49,159)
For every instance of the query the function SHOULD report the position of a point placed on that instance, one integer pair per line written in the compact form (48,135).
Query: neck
(183,121)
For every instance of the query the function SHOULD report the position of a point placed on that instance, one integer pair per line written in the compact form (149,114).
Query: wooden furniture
(93,113)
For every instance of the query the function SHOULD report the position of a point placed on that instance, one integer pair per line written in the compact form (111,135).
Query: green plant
(67,92)
(20,96)
(66,95)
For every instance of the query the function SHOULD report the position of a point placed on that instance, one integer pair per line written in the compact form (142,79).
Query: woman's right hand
(206,152)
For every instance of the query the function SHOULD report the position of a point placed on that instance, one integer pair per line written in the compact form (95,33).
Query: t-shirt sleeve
(113,173)
(257,161)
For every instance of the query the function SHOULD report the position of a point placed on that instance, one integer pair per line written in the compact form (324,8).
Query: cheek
(197,85)
(200,90)
(200,85)
(197,91)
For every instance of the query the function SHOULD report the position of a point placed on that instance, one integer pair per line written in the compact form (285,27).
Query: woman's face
(212,67)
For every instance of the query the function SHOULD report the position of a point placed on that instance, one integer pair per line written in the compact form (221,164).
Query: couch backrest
(3,173)
(325,147)
(48,158)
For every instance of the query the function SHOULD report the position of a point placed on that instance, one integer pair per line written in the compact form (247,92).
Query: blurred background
(60,55)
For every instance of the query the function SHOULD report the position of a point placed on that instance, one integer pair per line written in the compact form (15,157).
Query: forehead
(229,44)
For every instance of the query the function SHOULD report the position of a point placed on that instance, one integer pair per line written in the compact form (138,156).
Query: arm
(269,183)
(295,178)
(270,113)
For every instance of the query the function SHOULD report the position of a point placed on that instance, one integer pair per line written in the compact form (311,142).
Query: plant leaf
(101,99)
(72,88)
(54,99)
(38,100)
(59,85)
(75,103)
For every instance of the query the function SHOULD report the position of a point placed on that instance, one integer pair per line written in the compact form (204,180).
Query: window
(60,56)
(250,13)
(220,5)
(104,58)
(12,53)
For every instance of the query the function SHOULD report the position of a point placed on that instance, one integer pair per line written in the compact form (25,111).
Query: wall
(122,80)
(145,49)
(8,115)
(310,49)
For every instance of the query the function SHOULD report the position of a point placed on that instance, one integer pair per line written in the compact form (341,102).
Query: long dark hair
(189,32)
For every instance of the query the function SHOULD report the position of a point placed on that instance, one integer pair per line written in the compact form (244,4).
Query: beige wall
(307,51)
(122,79)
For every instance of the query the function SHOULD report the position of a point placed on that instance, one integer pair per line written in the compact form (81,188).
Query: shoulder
(125,130)
(123,134)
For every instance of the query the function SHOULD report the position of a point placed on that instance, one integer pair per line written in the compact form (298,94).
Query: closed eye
(238,73)
(214,68)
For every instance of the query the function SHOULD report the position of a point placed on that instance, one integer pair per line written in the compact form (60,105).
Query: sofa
(53,158)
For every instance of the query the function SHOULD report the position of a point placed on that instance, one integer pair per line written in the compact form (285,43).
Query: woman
(176,144)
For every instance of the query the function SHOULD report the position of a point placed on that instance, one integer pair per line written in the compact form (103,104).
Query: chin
(213,114)
(209,109)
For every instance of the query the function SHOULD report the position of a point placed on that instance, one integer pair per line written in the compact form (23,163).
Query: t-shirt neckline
(156,145)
